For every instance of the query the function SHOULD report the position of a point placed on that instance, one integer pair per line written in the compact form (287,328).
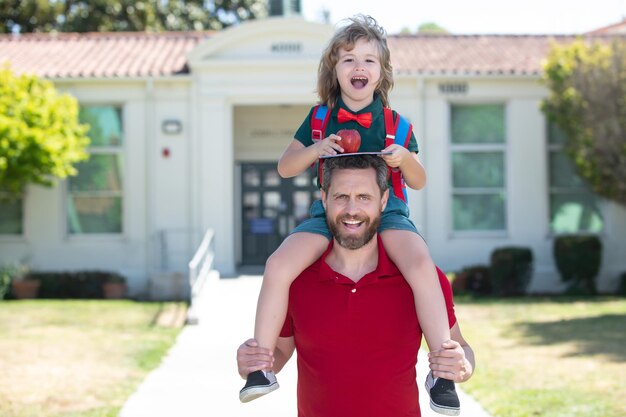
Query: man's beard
(352,241)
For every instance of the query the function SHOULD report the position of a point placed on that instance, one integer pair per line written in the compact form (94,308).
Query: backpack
(398,132)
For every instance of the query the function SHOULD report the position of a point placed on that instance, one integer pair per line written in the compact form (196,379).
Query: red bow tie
(364,119)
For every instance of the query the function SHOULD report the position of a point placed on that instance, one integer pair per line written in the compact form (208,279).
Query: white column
(216,170)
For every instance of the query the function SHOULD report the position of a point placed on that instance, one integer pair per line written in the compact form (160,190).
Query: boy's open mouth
(358,82)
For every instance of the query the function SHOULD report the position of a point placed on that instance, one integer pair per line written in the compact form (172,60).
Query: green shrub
(621,290)
(5,281)
(7,274)
(578,260)
(472,279)
(511,270)
(116,278)
(76,284)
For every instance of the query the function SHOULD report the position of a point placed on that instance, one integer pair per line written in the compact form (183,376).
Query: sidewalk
(199,377)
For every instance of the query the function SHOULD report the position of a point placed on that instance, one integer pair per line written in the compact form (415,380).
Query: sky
(477,16)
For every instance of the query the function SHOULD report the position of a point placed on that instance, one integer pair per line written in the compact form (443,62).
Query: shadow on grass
(463,298)
(157,314)
(600,335)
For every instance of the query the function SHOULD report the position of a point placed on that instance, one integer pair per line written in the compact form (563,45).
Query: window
(95,195)
(10,216)
(573,207)
(478,167)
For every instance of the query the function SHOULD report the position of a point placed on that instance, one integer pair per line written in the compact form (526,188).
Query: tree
(40,135)
(431,28)
(587,83)
(428,28)
(27,15)
(125,15)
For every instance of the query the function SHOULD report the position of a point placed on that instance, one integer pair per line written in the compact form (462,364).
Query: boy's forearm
(413,172)
(295,162)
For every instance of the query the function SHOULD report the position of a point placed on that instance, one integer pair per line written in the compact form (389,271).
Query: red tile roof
(137,54)
(95,55)
(470,54)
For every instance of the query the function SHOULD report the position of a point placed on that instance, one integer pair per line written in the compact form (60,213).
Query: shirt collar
(384,269)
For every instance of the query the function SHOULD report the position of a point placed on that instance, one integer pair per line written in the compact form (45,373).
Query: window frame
(120,150)
(558,147)
(478,148)
(17,237)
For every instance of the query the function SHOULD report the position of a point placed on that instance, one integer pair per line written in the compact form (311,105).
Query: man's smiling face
(353,206)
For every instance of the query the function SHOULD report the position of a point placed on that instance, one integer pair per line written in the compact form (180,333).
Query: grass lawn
(547,357)
(79,358)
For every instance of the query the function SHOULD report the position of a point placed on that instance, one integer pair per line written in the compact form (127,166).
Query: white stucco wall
(525,176)
(527,188)
(263,132)
(155,189)
(171,172)
(46,244)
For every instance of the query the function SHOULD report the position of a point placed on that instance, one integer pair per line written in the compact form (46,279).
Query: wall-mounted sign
(271,132)
(286,48)
(171,126)
(453,88)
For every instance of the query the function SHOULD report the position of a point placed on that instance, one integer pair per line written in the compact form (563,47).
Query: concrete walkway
(199,377)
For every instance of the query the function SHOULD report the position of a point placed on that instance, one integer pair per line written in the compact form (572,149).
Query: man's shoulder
(314,268)
(311,272)
(318,268)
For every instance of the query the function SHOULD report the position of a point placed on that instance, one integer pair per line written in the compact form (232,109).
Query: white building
(189,127)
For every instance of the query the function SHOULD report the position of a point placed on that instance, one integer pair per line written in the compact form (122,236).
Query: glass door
(272,207)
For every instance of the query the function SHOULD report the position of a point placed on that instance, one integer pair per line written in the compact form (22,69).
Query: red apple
(350,140)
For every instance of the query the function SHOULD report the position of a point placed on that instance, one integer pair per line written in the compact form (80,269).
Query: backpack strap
(319,120)
(398,132)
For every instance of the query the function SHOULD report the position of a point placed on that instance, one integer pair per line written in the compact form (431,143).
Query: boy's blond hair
(359,27)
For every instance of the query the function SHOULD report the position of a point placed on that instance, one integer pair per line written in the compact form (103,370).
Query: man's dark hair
(355,162)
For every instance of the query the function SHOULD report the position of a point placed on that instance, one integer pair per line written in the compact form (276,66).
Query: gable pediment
(272,39)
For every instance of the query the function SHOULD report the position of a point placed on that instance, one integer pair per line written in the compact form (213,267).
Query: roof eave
(499,75)
(127,79)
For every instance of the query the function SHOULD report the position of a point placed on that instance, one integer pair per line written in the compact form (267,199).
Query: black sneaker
(257,385)
(443,398)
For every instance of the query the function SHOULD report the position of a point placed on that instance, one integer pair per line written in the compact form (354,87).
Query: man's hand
(251,357)
(450,362)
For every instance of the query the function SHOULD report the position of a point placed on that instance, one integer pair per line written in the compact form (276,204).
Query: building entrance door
(272,207)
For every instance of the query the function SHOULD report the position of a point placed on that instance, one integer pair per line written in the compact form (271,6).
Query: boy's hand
(398,155)
(328,146)
(250,358)
(449,362)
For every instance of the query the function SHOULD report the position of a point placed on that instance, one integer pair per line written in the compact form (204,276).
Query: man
(351,314)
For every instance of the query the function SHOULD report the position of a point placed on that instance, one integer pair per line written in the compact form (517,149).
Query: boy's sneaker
(258,384)
(443,398)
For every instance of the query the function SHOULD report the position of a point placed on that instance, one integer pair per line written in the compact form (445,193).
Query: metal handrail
(199,268)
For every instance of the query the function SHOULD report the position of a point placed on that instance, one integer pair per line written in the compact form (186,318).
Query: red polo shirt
(357,343)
